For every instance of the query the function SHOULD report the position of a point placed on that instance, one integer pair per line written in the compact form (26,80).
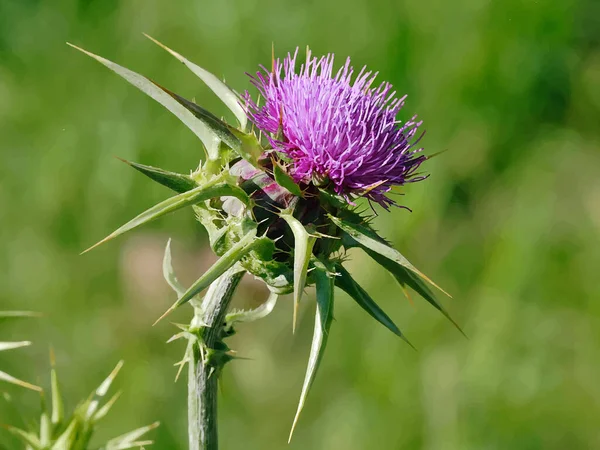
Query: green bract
(260,221)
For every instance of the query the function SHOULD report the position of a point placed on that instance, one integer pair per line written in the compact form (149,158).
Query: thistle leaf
(45,427)
(346,283)
(216,125)
(10,379)
(175,181)
(100,392)
(405,277)
(303,246)
(285,181)
(14,314)
(149,88)
(58,407)
(233,255)
(68,437)
(196,195)
(13,345)
(368,239)
(254,314)
(169,273)
(129,440)
(105,409)
(28,438)
(323,319)
(250,148)
(224,92)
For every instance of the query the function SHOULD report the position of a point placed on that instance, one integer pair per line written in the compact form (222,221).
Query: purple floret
(336,129)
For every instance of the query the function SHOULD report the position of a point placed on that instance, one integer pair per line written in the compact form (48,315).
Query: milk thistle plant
(277,194)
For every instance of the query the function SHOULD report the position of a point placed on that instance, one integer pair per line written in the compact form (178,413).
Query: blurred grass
(508,220)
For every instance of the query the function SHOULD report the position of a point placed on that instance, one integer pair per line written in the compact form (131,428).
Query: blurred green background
(508,221)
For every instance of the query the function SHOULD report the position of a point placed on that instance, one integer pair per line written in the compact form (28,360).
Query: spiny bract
(279,205)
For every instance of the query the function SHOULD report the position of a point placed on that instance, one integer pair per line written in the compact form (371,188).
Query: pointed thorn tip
(167,312)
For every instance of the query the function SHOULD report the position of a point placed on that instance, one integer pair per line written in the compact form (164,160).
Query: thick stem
(205,363)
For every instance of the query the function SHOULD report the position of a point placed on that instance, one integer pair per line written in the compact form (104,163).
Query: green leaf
(68,437)
(10,379)
(105,409)
(169,273)
(225,262)
(100,392)
(149,88)
(14,314)
(303,246)
(250,148)
(58,407)
(346,283)
(29,438)
(224,92)
(45,427)
(196,195)
(216,125)
(13,345)
(129,440)
(368,239)
(323,319)
(406,277)
(254,314)
(175,181)
(285,181)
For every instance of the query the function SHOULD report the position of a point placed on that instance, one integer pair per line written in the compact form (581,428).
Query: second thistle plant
(278,200)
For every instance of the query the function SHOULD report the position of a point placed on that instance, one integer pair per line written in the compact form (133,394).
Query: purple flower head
(335,128)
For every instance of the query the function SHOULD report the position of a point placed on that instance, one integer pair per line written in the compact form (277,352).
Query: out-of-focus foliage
(508,222)
(55,430)
(12,345)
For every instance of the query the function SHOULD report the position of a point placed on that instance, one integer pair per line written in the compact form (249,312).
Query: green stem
(205,363)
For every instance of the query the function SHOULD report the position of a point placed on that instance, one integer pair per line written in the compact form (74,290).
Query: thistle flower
(334,129)
(279,205)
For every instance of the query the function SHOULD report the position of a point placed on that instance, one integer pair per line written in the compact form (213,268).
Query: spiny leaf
(10,379)
(102,412)
(346,283)
(169,273)
(250,148)
(68,437)
(368,239)
(129,440)
(149,88)
(58,407)
(216,125)
(303,246)
(323,319)
(405,277)
(29,438)
(233,255)
(253,314)
(11,314)
(285,181)
(13,345)
(224,92)
(45,426)
(175,181)
(101,392)
(196,195)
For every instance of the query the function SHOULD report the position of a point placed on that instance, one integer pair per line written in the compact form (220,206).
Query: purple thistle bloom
(335,129)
